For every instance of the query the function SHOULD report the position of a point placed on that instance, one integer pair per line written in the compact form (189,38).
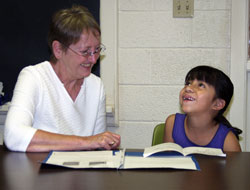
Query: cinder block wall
(155,51)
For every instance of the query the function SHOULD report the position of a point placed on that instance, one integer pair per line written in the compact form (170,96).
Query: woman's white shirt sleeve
(18,131)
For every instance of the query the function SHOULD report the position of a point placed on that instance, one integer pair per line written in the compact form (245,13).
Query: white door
(239,63)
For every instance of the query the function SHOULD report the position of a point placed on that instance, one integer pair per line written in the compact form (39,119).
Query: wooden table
(23,171)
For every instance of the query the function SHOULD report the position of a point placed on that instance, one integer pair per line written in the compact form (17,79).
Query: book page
(203,150)
(162,147)
(84,159)
(106,159)
(176,162)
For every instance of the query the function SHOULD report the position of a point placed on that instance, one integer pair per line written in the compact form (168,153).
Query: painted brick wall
(156,51)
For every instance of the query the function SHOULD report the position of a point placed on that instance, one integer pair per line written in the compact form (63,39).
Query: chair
(158,134)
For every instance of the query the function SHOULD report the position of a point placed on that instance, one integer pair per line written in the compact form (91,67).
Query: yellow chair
(158,134)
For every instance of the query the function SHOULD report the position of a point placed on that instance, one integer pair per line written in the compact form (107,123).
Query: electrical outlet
(183,8)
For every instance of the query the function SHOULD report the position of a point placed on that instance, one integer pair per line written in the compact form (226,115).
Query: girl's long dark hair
(223,89)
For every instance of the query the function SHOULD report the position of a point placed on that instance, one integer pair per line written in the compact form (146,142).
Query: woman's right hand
(106,140)
(44,141)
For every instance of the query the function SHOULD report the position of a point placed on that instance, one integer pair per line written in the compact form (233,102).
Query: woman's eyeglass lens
(88,53)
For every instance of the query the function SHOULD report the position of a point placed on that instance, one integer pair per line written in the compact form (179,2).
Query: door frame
(239,59)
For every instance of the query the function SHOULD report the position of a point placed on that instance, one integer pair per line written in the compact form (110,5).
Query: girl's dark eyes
(187,83)
(202,85)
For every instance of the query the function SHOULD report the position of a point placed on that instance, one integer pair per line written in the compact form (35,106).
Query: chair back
(158,134)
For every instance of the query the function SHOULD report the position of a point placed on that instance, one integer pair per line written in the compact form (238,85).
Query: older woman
(59,104)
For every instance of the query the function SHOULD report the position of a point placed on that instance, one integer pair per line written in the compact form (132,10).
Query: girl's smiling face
(197,97)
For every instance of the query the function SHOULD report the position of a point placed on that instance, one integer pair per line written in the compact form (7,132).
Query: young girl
(204,98)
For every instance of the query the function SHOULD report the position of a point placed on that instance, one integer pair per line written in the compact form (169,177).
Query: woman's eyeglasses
(88,53)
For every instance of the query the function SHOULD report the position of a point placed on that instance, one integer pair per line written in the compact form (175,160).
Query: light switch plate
(183,8)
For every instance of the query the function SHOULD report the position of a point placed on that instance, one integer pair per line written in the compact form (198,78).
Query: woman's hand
(44,141)
(106,140)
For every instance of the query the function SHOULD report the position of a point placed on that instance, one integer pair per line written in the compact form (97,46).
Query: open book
(184,151)
(117,160)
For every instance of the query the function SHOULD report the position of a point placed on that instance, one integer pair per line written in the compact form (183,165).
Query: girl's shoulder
(170,120)
(170,117)
(169,125)
(173,117)
(231,143)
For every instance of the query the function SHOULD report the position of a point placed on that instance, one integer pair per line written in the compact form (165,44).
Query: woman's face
(79,58)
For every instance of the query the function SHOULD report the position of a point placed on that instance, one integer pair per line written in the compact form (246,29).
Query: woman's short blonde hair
(67,25)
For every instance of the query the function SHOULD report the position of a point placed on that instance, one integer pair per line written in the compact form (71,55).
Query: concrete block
(132,5)
(134,66)
(170,66)
(153,29)
(136,134)
(211,29)
(148,103)
(212,4)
